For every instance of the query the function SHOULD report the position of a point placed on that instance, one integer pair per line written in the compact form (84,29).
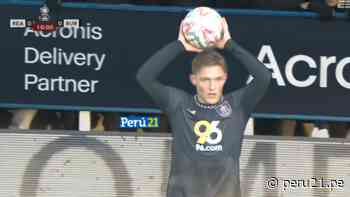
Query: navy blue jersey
(207,138)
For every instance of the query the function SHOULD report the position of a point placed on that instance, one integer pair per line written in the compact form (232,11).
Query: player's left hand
(227,36)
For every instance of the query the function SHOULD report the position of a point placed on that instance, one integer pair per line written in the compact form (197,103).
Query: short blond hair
(206,58)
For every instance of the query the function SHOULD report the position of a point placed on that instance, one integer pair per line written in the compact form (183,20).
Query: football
(202,27)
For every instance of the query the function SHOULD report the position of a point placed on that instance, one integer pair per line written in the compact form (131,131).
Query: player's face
(209,82)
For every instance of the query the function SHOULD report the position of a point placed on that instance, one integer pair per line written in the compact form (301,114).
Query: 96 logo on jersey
(209,136)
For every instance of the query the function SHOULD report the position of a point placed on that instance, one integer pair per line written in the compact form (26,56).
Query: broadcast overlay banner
(93,66)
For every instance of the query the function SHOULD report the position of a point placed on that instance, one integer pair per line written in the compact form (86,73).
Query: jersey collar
(207,106)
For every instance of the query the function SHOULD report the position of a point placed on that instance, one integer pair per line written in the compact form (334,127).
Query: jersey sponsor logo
(209,136)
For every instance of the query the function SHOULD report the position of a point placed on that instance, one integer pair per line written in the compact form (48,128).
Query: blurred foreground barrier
(122,164)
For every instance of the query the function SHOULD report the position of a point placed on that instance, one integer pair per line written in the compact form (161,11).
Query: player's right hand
(188,47)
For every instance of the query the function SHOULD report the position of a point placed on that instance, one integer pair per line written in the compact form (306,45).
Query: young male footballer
(207,127)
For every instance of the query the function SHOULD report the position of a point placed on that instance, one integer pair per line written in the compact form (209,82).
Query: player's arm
(147,75)
(249,95)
